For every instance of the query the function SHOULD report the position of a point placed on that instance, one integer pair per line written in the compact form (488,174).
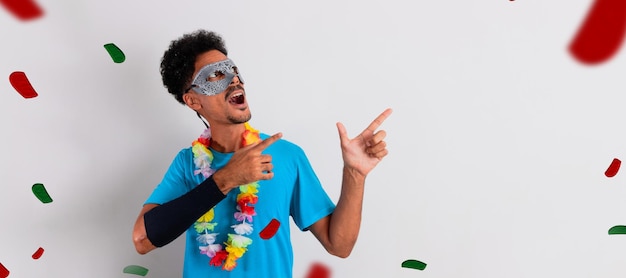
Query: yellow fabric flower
(207,217)
(250,128)
(235,251)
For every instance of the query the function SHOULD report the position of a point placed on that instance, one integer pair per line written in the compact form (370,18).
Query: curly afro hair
(178,62)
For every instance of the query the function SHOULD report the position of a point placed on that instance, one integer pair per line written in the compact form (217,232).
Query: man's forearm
(166,222)
(346,219)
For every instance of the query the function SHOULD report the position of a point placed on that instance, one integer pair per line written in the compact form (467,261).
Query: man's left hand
(362,153)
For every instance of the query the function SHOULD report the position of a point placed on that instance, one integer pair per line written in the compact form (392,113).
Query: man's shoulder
(283,145)
(185,152)
(183,156)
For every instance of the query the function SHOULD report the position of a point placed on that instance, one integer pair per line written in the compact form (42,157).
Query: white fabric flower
(243,228)
(206,238)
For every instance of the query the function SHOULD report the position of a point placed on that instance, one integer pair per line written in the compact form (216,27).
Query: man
(234,181)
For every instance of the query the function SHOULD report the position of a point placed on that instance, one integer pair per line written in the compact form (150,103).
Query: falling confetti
(270,230)
(38,253)
(137,270)
(20,82)
(318,270)
(4,272)
(613,168)
(415,264)
(42,194)
(617,230)
(116,53)
(23,9)
(602,32)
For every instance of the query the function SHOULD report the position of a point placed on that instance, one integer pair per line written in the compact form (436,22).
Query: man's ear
(192,101)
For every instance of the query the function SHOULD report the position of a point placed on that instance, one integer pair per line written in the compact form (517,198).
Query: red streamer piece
(613,168)
(4,272)
(23,9)
(601,33)
(38,253)
(318,270)
(20,82)
(270,230)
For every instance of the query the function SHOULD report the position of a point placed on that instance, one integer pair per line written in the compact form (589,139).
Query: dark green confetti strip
(414,264)
(135,269)
(40,191)
(116,53)
(617,230)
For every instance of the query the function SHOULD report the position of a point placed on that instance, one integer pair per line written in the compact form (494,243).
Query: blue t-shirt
(294,191)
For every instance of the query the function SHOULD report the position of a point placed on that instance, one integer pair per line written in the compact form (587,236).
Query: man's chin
(240,120)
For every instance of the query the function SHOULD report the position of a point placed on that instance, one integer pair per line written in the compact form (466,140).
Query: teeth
(236,95)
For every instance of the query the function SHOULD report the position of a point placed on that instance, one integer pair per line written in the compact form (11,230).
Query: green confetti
(617,230)
(40,191)
(135,269)
(414,264)
(116,53)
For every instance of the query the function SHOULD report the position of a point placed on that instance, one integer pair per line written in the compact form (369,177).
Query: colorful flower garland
(237,243)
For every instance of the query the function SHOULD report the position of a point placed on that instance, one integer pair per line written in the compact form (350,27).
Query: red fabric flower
(245,209)
(219,258)
(203,141)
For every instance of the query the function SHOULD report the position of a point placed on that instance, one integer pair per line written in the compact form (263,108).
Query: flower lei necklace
(237,243)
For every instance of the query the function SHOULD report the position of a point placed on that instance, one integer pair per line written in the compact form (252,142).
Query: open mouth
(237,98)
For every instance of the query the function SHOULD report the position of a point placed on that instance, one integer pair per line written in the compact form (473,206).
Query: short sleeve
(174,184)
(309,202)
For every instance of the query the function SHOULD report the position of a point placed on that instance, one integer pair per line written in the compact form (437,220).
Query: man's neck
(226,138)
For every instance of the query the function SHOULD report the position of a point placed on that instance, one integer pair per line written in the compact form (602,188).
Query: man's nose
(235,80)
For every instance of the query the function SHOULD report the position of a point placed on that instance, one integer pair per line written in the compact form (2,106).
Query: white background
(498,142)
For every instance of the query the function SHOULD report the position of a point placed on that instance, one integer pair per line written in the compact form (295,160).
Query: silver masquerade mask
(214,78)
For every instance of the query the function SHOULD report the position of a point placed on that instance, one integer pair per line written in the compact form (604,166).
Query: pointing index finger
(267,142)
(378,121)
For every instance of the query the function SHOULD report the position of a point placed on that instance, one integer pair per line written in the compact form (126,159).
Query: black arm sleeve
(166,222)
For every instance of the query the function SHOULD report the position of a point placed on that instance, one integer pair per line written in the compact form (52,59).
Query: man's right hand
(247,165)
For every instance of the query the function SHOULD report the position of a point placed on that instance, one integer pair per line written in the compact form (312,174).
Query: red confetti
(38,253)
(4,272)
(270,230)
(23,9)
(613,168)
(602,32)
(318,270)
(20,82)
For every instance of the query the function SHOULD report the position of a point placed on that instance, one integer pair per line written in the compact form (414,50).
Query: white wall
(498,142)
